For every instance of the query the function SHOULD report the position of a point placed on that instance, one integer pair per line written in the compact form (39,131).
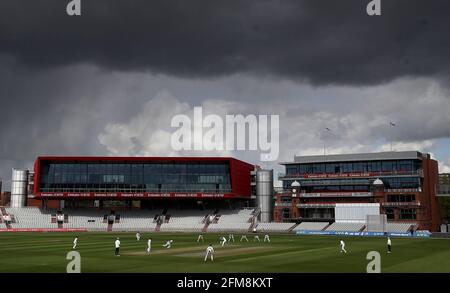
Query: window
(402,198)
(386,166)
(286,199)
(286,214)
(390,214)
(407,214)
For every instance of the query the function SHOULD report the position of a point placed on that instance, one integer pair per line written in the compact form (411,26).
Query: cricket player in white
(343,246)
(244,237)
(168,244)
(200,237)
(266,238)
(117,245)
(389,245)
(210,252)
(223,240)
(75,241)
(230,237)
(256,238)
(149,245)
(138,236)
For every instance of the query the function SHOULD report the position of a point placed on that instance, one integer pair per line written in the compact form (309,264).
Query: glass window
(386,166)
(407,214)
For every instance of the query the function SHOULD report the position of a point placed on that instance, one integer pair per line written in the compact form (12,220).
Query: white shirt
(342,243)
(149,242)
(210,249)
(75,240)
(389,241)
(117,243)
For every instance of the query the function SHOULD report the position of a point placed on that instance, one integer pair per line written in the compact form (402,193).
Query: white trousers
(210,255)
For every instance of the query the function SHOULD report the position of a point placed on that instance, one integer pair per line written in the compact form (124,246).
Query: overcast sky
(109,82)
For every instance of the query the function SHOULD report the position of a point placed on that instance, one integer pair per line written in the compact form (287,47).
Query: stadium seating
(185,220)
(392,227)
(30,217)
(314,226)
(274,227)
(232,220)
(189,220)
(87,219)
(398,227)
(136,220)
(351,227)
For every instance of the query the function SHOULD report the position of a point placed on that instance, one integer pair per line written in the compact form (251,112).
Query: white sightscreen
(355,212)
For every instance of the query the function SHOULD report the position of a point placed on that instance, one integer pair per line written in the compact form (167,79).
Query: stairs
(326,227)
(293,227)
(109,229)
(254,219)
(205,227)
(13,219)
(252,226)
(159,221)
(158,226)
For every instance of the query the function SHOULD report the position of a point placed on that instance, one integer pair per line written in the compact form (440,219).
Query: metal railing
(396,204)
(351,174)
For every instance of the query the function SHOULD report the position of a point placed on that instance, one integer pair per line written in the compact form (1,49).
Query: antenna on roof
(391,124)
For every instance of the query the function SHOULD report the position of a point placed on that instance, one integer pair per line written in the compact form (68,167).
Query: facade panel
(123,177)
(407,193)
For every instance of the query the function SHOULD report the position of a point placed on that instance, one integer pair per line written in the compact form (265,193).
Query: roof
(137,159)
(379,156)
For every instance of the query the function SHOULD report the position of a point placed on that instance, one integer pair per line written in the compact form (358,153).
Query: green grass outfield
(46,252)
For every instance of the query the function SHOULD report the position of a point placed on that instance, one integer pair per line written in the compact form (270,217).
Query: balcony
(316,205)
(335,194)
(283,204)
(400,204)
(282,176)
(403,189)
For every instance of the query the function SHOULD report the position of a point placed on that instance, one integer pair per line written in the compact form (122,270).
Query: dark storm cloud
(323,42)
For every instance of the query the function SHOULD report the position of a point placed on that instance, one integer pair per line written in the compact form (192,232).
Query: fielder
(389,245)
(149,245)
(266,238)
(210,252)
(200,237)
(342,243)
(230,237)
(244,237)
(256,238)
(168,244)
(223,240)
(138,236)
(117,245)
(75,241)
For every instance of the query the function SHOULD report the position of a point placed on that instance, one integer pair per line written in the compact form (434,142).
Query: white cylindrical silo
(19,188)
(264,194)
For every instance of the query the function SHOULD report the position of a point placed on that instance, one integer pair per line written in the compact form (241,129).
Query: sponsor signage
(44,230)
(134,195)
(357,233)
(337,194)
(356,174)
(338,175)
